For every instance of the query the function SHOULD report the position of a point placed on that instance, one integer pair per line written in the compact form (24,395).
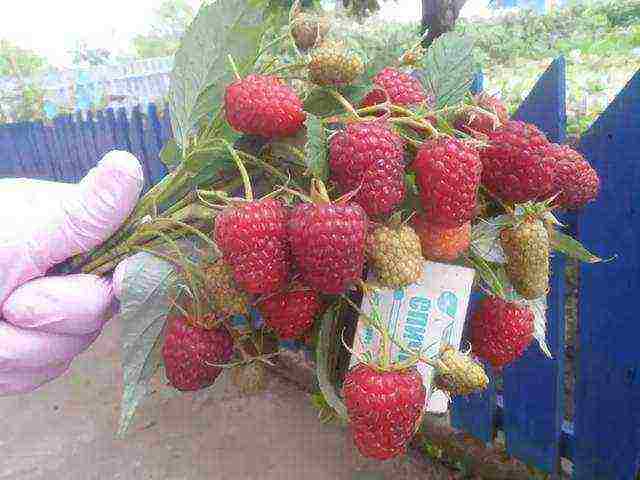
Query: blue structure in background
(604,439)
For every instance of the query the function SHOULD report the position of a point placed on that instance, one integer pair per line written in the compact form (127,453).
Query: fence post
(534,384)
(607,419)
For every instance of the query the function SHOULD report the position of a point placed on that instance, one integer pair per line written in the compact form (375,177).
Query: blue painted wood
(153,145)
(122,130)
(63,152)
(26,163)
(86,158)
(545,104)
(165,121)
(69,158)
(475,413)
(534,384)
(104,134)
(89,127)
(136,136)
(42,151)
(608,388)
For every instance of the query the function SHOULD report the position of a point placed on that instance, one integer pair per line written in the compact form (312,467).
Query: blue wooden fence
(603,441)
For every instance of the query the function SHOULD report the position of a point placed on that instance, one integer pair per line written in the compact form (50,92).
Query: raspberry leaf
(144,305)
(490,273)
(201,70)
(572,248)
(169,155)
(321,103)
(325,340)
(315,151)
(448,68)
(485,242)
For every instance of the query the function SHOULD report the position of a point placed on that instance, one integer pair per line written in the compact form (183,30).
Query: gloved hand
(45,321)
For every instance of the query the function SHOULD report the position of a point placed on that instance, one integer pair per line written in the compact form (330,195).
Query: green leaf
(201,69)
(316,153)
(325,340)
(169,155)
(411,202)
(490,274)
(572,248)
(385,50)
(321,103)
(485,242)
(448,68)
(144,306)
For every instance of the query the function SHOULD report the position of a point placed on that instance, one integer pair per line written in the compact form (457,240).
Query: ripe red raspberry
(370,156)
(448,175)
(501,331)
(290,314)
(253,240)
(574,178)
(327,243)
(474,121)
(515,168)
(188,351)
(401,88)
(263,105)
(441,244)
(385,409)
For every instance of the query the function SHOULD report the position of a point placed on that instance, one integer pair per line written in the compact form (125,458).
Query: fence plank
(165,121)
(153,145)
(43,151)
(65,129)
(105,140)
(121,129)
(475,413)
(136,135)
(534,384)
(13,158)
(607,418)
(87,159)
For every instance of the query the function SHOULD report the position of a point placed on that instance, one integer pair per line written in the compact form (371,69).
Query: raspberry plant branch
(234,67)
(346,104)
(248,191)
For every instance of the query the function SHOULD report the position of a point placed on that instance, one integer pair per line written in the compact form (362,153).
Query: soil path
(65,431)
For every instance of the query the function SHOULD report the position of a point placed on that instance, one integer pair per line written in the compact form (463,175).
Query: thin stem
(234,67)
(187,227)
(270,168)
(296,151)
(248,191)
(290,67)
(507,208)
(421,124)
(345,103)
(273,42)
(184,264)
(383,332)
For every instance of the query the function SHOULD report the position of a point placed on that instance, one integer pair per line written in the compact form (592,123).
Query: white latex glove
(45,321)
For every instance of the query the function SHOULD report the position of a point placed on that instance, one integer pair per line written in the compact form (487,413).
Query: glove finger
(44,223)
(72,304)
(24,381)
(32,349)
(106,197)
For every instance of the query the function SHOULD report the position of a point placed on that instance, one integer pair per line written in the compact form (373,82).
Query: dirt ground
(66,431)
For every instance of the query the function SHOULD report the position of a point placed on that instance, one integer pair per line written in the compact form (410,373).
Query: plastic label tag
(423,315)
